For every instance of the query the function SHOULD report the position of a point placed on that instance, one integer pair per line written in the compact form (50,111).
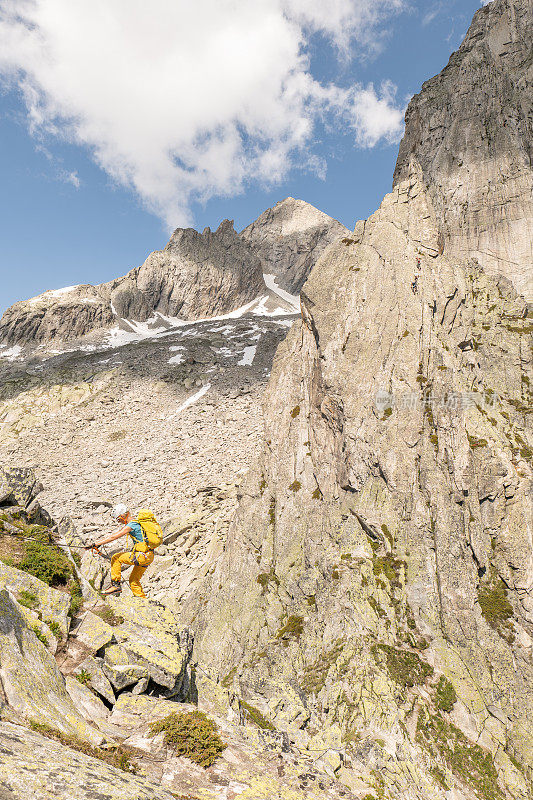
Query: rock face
(30,679)
(63,314)
(196,275)
(290,238)
(471,131)
(381,556)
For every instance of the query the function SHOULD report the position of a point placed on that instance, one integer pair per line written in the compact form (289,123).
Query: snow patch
(248,356)
(178,358)
(12,353)
(51,293)
(192,399)
(292,299)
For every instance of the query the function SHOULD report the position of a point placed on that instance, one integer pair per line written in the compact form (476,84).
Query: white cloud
(183,101)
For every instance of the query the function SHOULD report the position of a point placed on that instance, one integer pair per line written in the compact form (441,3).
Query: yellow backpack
(152,533)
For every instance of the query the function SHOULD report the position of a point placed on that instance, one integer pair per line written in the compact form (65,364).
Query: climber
(146,535)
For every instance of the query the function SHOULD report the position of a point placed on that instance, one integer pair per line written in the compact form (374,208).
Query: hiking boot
(115,588)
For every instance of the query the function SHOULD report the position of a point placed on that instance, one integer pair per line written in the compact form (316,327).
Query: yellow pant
(126,559)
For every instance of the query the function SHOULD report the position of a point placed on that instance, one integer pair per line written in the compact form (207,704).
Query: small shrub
(405,668)
(84,677)
(292,629)
(45,562)
(192,735)
(256,717)
(317,494)
(295,486)
(54,627)
(28,599)
(445,696)
(108,615)
(496,608)
(295,411)
(264,578)
(42,638)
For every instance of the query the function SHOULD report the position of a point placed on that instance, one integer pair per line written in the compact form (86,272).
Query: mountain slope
(470,129)
(196,275)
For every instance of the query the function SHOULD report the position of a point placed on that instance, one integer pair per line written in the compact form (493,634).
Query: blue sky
(85,195)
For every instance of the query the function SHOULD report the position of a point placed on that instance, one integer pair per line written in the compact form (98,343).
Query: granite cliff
(470,130)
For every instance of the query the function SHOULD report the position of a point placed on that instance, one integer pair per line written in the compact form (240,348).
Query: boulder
(30,677)
(139,712)
(98,681)
(158,650)
(93,632)
(88,704)
(52,604)
(19,485)
(63,773)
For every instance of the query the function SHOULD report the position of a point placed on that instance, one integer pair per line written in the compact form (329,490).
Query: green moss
(42,638)
(474,442)
(256,717)
(311,601)
(495,607)
(272,511)
(192,735)
(28,599)
(76,596)
(445,695)
(393,569)
(262,486)
(116,435)
(440,777)
(292,629)
(388,535)
(227,682)
(317,494)
(387,413)
(335,574)
(465,759)
(375,606)
(108,615)
(405,668)
(295,411)
(264,578)
(295,486)
(116,756)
